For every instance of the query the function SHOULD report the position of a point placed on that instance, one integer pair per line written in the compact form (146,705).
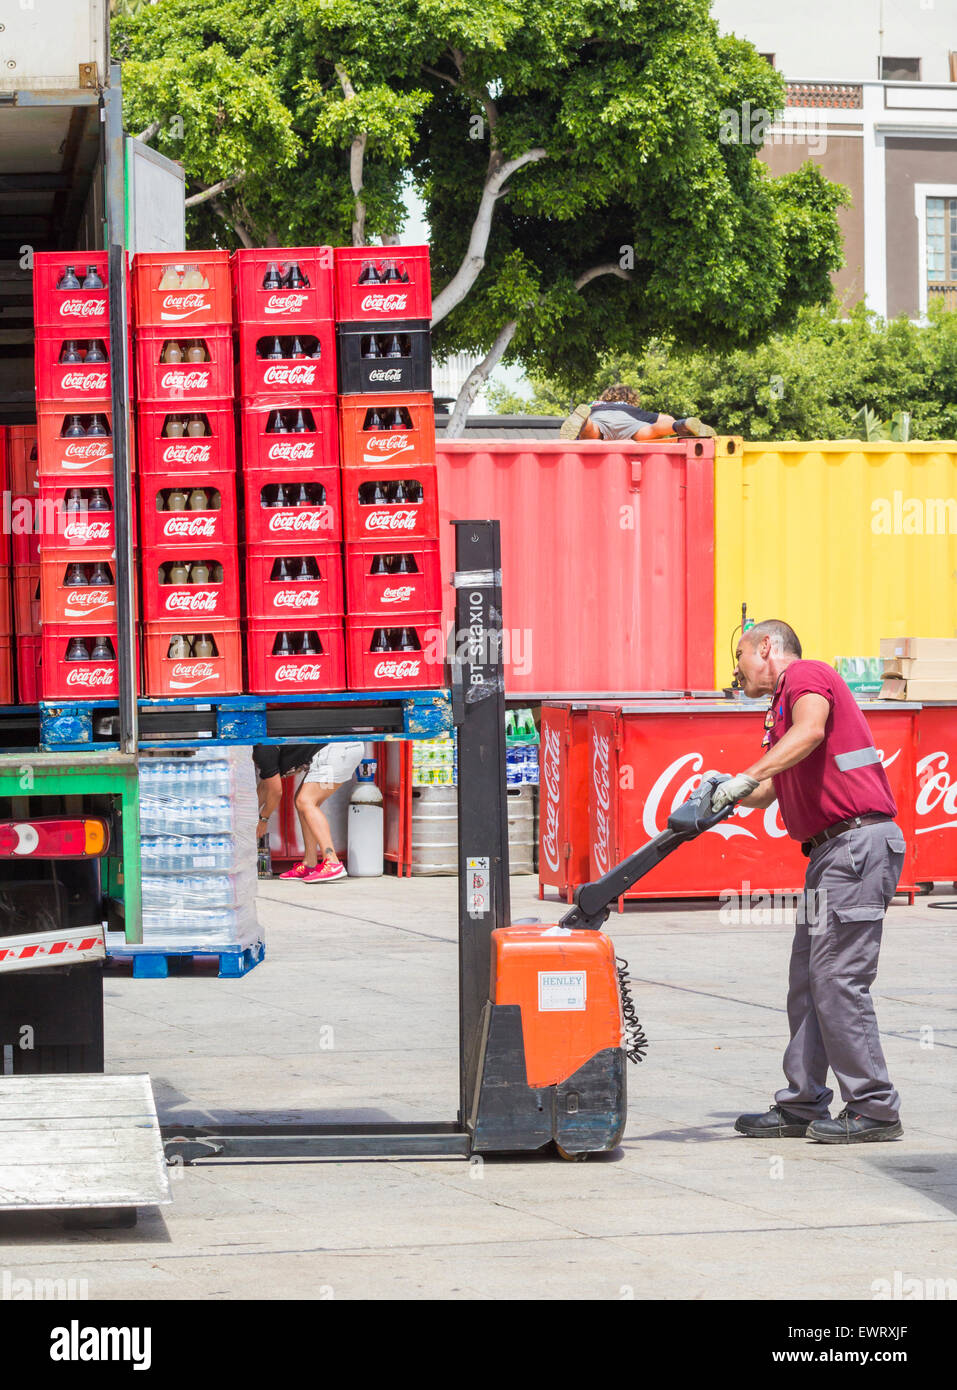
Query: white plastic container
(365,858)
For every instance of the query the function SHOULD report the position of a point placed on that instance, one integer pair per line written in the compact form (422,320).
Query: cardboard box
(919,691)
(920,648)
(912,669)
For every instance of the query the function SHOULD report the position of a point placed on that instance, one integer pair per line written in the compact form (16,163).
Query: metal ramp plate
(79,1140)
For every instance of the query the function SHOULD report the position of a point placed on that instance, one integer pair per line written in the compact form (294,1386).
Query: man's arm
(762,797)
(808,722)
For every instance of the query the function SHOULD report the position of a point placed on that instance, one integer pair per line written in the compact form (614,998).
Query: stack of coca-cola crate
(283,306)
(73,540)
(186,447)
(389,477)
(20,541)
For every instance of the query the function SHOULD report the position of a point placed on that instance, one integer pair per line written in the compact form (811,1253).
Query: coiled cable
(635,1041)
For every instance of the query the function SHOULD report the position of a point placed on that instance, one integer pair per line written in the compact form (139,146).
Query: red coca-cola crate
(28,669)
(263,446)
(85,384)
(26,601)
(219,674)
(395,670)
(184,528)
(294,599)
(61,679)
(213,600)
(76,312)
(6,602)
(164,456)
(360,372)
(23,461)
(288,305)
(285,527)
(162,300)
(68,527)
(304,378)
(62,455)
(277,673)
(7,661)
(362,443)
(88,606)
(383,522)
(408,298)
(385,582)
(27,519)
(186,383)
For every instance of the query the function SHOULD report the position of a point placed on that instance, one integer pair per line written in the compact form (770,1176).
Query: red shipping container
(287,306)
(188,384)
(395,670)
(413,441)
(77,680)
(78,312)
(607,559)
(385,522)
(85,385)
(265,447)
(935,801)
(289,528)
(28,669)
(374,587)
(219,674)
(273,673)
(563,799)
(181,530)
(294,600)
(163,456)
(65,456)
(194,602)
(76,528)
(22,475)
(90,607)
(304,378)
(161,300)
(6,670)
(6,602)
(408,298)
(26,601)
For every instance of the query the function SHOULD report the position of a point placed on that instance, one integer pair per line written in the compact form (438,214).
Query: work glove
(733,790)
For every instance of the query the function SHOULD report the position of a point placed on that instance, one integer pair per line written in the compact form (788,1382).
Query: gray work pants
(849,883)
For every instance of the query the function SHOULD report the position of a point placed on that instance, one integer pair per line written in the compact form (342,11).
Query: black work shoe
(776,1124)
(852,1128)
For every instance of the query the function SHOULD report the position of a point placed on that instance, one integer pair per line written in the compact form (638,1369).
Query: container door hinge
(636,475)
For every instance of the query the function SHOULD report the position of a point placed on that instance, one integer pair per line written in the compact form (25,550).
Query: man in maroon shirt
(833,793)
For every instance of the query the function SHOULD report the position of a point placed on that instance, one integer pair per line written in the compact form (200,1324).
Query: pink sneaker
(301,870)
(325,872)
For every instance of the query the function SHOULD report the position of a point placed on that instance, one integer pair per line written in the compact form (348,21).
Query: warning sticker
(561,990)
(479,887)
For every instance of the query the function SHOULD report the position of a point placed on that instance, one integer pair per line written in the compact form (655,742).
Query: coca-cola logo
(205,601)
(185,381)
(184,675)
(938,794)
(87,601)
(300,521)
(174,307)
(297,675)
(400,595)
(383,303)
(87,530)
(391,521)
(83,308)
(601,782)
(676,783)
(396,670)
(176,527)
(187,453)
(386,444)
(84,381)
(290,374)
(385,374)
(296,598)
(90,677)
(285,303)
(96,449)
(302,449)
(551,785)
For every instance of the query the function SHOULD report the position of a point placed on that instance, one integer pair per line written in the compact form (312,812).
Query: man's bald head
(784,640)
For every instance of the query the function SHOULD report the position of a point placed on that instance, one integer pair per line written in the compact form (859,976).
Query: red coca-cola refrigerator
(935,802)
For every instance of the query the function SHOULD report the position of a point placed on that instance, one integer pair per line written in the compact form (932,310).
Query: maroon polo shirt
(842,777)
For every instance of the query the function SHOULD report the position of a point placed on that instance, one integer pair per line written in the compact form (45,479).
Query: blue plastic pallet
(152,962)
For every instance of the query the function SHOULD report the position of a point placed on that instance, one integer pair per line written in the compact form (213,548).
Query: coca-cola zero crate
(86,679)
(81,383)
(6,670)
(303,584)
(277,672)
(26,601)
(365,518)
(264,445)
(303,378)
(218,674)
(212,598)
(167,524)
(291,526)
(384,582)
(90,605)
(358,297)
(163,296)
(257,299)
(402,360)
(186,383)
(415,668)
(387,429)
(28,669)
(66,447)
(72,515)
(76,312)
(23,460)
(164,455)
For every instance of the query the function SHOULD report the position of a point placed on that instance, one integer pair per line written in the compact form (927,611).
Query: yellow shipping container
(847,541)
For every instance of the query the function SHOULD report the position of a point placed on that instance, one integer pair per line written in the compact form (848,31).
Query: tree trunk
(476,379)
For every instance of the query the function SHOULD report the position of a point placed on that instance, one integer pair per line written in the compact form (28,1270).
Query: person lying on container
(332,765)
(617,414)
(834,797)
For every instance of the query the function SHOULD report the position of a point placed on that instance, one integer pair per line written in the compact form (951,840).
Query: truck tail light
(54,837)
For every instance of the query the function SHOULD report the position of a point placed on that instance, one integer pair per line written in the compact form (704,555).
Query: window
(952,59)
(899,70)
(768,58)
(942,251)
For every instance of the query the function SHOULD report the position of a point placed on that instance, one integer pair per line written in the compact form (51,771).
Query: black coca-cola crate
(360,374)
